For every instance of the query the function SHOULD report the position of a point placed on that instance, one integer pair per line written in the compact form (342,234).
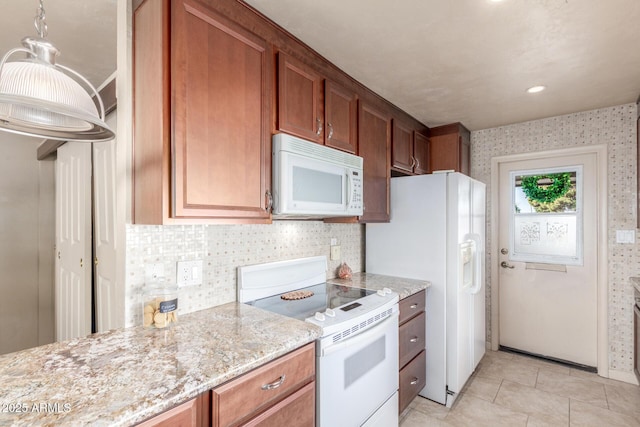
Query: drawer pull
(414,381)
(413,306)
(274,384)
(414,339)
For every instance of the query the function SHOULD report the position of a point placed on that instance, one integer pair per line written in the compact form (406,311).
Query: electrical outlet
(335,253)
(189,273)
(153,272)
(334,241)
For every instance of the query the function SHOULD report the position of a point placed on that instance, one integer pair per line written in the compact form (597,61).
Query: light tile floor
(514,390)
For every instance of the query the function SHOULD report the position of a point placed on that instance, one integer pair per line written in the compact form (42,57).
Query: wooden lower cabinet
(296,410)
(279,390)
(412,379)
(193,413)
(412,356)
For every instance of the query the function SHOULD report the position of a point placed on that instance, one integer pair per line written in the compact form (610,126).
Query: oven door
(358,375)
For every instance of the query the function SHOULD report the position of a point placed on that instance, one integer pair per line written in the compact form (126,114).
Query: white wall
(615,127)
(27,200)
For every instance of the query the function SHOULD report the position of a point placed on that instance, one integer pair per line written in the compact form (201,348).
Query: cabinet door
(193,413)
(402,147)
(296,410)
(374,146)
(412,380)
(300,110)
(411,338)
(220,99)
(251,394)
(421,153)
(340,117)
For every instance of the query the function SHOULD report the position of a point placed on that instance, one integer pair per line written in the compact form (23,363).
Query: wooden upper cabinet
(374,145)
(211,160)
(420,153)
(402,147)
(450,148)
(341,109)
(300,103)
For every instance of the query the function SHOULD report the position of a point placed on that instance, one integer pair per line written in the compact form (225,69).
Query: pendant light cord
(40,21)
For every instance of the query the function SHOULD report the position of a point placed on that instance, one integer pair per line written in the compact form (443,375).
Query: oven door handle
(361,337)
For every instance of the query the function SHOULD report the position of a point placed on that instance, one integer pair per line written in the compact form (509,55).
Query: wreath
(560,184)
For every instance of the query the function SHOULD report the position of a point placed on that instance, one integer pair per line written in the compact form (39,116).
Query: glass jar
(160,307)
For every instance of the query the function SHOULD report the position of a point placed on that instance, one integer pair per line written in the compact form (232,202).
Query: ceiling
(84,32)
(444,61)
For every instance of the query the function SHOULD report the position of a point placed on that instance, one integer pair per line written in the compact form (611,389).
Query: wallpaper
(615,127)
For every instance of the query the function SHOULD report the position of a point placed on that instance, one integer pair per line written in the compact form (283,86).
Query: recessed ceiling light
(536,89)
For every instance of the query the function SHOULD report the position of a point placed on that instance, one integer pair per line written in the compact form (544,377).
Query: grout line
(569,411)
(498,391)
(606,396)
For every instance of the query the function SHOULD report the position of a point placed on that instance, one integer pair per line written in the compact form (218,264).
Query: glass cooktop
(324,296)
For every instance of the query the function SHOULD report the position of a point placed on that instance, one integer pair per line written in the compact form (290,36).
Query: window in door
(546,222)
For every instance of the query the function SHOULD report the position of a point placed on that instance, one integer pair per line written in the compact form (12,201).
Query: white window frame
(514,255)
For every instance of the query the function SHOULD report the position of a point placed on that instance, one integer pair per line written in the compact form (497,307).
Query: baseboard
(627,377)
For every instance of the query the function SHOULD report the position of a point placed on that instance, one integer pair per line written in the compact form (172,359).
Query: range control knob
(319,316)
(330,312)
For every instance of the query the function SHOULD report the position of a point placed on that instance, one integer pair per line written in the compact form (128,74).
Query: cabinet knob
(330,130)
(414,381)
(319,123)
(413,162)
(414,339)
(413,306)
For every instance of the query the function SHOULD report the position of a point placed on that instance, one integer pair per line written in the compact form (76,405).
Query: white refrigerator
(437,233)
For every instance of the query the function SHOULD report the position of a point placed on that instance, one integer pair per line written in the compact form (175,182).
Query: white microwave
(314,181)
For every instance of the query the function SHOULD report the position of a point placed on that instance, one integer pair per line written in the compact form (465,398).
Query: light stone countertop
(121,377)
(635,281)
(404,287)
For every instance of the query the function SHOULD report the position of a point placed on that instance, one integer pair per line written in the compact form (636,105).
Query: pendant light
(41,98)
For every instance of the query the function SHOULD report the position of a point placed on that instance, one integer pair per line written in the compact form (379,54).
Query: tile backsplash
(614,127)
(223,248)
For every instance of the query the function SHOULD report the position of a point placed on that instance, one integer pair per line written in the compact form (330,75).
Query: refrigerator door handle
(473,242)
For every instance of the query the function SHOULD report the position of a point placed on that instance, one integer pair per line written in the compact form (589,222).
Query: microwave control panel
(356,190)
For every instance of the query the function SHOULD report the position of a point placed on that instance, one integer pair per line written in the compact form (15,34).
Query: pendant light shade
(43,99)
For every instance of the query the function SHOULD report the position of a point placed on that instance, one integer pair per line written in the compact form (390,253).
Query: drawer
(244,397)
(412,305)
(411,338)
(296,410)
(412,379)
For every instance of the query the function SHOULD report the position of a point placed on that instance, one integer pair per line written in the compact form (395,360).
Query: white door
(104,237)
(73,241)
(547,258)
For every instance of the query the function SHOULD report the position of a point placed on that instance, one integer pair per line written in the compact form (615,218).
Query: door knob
(504,264)
(504,251)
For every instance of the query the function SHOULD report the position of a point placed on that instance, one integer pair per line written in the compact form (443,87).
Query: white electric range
(357,354)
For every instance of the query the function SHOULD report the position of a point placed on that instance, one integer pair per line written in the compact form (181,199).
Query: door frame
(601,278)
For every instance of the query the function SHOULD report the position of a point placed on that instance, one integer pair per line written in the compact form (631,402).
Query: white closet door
(73,241)
(105,242)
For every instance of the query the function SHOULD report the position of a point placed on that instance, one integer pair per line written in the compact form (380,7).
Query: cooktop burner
(325,295)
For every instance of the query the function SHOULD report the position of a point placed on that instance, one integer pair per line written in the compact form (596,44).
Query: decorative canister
(160,307)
